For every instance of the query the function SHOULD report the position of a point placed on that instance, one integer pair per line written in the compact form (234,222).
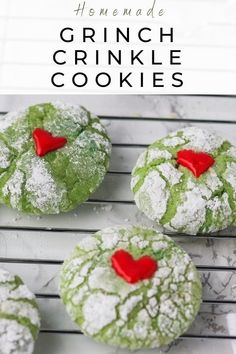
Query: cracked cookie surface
(19,317)
(171,195)
(147,314)
(62,179)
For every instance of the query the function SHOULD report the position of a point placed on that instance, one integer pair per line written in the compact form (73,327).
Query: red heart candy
(132,270)
(196,162)
(46,142)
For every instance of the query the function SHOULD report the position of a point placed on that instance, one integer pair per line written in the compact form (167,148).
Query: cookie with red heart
(52,157)
(186,182)
(130,287)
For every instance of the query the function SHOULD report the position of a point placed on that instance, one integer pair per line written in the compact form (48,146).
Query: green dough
(172,196)
(62,179)
(19,316)
(147,314)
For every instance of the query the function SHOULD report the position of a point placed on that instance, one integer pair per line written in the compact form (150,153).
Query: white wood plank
(123,159)
(89,216)
(58,245)
(74,344)
(198,107)
(215,320)
(43,279)
(114,187)
(146,132)
(212,320)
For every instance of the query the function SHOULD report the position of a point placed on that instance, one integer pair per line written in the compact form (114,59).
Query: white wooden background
(205,31)
(34,247)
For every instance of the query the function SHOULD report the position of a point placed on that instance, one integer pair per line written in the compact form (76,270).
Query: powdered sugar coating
(154,194)
(5,156)
(201,140)
(113,311)
(99,311)
(156,154)
(9,119)
(230,176)
(15,338)
(13,187)
(192,209)
(19,322)
(62,179)
(178,200)
(41,187)
(169,172)
(173,141)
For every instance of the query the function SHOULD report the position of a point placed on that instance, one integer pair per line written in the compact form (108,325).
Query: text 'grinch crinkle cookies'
(19,317)
(186,182)
(52,157)
(131,287)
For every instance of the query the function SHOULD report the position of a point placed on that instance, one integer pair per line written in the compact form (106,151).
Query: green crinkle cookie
(19,316)
(171,195)
(62,179)
(147,314)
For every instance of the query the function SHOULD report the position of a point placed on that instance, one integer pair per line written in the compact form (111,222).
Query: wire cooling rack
(34,248)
